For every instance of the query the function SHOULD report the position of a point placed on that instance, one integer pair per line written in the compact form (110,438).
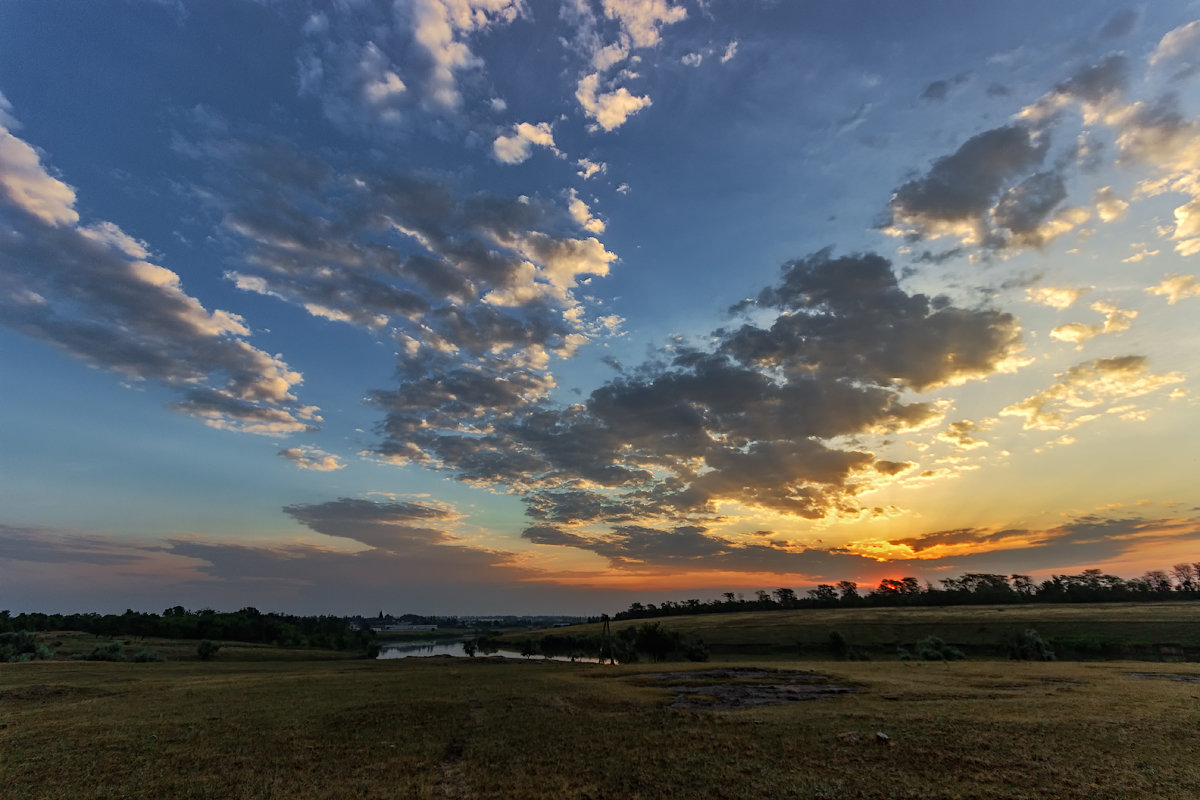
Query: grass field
(69,644)
(435,728)
(1075,631)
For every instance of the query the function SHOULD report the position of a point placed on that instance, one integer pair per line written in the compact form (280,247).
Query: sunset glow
(514,306)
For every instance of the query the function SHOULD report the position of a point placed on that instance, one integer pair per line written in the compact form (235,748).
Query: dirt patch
(1166,676)
(41,692)
(735,688)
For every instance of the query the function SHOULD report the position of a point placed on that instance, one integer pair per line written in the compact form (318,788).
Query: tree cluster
(1182,582)
(246,625)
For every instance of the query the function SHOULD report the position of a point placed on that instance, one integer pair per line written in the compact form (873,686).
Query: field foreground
(430,728)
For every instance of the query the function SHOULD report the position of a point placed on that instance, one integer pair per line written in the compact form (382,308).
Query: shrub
(933,648)
(22,646)
(206,650)
(113,651)
(146,655)
(841,648)
(1028,646)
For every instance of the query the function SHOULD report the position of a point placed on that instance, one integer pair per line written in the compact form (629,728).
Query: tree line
(247,625)
(1181,582)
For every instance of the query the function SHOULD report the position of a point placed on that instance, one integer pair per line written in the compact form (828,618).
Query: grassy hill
(1102,630)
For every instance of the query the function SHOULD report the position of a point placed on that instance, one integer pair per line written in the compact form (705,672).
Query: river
(455,649)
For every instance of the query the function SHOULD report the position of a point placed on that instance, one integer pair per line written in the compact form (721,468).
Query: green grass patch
(1160,631)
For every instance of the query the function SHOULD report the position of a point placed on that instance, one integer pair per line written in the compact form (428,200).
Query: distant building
(382,628)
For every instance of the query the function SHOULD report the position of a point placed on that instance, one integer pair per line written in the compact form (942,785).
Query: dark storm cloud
(1094,85)
(380,525)
(993,192)
(749,419)
(1024,208)
(1098,82)
(930,257)
(853,321)
(693,548)
(960,188)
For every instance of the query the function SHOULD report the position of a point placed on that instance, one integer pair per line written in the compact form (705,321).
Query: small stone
(883,738)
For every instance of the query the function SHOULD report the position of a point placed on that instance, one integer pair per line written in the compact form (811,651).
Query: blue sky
(487,305)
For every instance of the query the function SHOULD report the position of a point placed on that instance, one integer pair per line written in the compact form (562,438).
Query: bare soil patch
(1166,676)
(735,688)
(41,692)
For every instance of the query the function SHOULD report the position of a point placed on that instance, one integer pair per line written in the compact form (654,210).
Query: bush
(22,646)
(933,648)
(1028,646)
(146,655)
(112,651)
(841,648)
(207,650)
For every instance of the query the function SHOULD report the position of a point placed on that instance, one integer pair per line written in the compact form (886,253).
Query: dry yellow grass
(431,728)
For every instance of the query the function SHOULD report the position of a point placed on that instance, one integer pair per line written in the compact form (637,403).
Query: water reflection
(456,649)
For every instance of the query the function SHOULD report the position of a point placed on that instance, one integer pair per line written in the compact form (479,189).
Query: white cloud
(590,169)
(730,51)
(311,458)
(1115,320)
(438,28)
(692,59)
(1177,44)
(92,291)
(1087,386)
(1109,206)
(1142,254)
(1060,297)
(516,147)
(1176,287)
(641,19)
(384,87)
(583,215)
(609,109)
(28,185)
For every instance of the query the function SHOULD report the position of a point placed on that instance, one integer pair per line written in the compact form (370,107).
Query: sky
(516,306)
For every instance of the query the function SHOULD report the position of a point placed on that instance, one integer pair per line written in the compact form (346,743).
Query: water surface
(455,649)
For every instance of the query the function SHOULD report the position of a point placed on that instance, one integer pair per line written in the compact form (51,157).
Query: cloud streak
(91,290)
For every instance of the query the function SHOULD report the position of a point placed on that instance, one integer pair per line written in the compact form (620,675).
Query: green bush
(146,655)
(207,650)
(22,646)
(113,651)
(933,648)
(841,648)
(1028,646)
